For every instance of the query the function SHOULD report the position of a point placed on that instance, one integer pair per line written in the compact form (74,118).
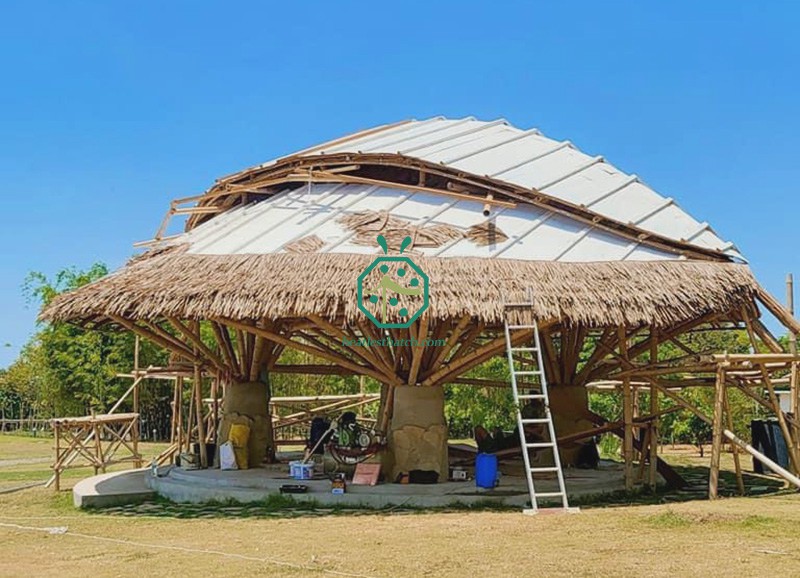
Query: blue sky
(108,110)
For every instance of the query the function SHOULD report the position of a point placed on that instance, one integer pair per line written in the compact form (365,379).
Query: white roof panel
(528,159)
(533,233)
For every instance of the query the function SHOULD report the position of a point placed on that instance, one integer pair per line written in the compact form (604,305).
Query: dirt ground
(42,535)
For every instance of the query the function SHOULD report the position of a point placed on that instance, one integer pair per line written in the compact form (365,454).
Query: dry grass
(733,537)
(276,286)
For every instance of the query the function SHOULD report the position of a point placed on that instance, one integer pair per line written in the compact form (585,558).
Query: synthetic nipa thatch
(279,286)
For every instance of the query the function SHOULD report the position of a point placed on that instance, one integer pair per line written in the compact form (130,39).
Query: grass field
(753,536)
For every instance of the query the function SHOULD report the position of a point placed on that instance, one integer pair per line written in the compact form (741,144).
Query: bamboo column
(791,441)
(716,439)
(654,424)
(201,426)
(57,472)
(790,307)
(794,394)
(215,408)
(98,447)
(637,432)
(136,374)
(627,413)
(734,448)
(179,412)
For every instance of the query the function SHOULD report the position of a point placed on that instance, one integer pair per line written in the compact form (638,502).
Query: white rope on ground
(63,530)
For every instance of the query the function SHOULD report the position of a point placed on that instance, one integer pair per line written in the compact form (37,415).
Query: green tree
(68,370)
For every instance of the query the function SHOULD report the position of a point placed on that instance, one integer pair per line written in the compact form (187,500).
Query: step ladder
(533,387)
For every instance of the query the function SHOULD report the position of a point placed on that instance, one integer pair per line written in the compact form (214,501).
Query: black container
(211,452)
(768,439)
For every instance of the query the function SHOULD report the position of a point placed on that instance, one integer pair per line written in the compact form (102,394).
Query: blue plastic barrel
(486,470)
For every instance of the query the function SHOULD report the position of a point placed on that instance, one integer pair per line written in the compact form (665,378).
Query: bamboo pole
(136,373)
(98,447)
(193,335)
(716,440)
(201,426)
(56,468)
(794,392)
(776,405)
(654,425)
(173,422)
(190,421)
(790,308)
(734,448)
(627,412)
(786,475)
(778,310)
(418,350)
(179,410)
(215,408)
(324,354)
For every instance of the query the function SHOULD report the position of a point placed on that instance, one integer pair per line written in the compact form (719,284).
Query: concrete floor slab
(112,489)
(197,486)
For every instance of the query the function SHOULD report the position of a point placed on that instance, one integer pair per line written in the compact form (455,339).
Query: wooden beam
(226,347)
(778,310)
(470,360)
(652,477)
(417,352)
(324,354)
(787,436)
(200,347)
(258,353)
(364,353)
(627,412)
(716,438)
(197,386)
(157,339)
(458,330)
(581,378)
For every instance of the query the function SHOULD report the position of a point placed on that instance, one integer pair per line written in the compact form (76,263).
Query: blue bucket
(486,471)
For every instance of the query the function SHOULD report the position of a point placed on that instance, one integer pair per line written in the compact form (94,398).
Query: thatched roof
(492,211)
(290,285)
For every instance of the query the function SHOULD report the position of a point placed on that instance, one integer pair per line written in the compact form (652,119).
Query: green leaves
(64,369)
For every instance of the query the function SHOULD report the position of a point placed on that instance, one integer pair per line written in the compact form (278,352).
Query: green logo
(393,291)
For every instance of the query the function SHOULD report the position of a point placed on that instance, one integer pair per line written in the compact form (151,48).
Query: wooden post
(794,394)
(734,448)
(136,374)
(57,472)
(637,432)
(627,413)
(790,440)
(179,411)
(654,424)
(201,426)
(790,307)
(98,448)
(215,407)
(190,421)
(716,440)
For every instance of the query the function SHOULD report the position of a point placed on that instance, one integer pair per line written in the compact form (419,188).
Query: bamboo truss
(624,358)
(97,440)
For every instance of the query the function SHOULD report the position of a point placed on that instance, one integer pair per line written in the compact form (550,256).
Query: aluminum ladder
(533,387)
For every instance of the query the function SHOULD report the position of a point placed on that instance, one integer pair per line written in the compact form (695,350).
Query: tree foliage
(65,369)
